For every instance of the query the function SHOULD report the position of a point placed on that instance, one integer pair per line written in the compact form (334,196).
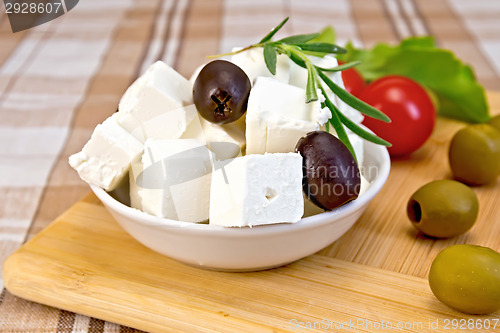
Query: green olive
(495,122)
(467,278)
(443,208)
(474,154)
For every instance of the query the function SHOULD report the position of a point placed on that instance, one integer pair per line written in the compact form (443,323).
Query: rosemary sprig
(298,48)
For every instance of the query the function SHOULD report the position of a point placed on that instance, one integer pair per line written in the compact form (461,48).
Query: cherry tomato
(353,81)
(410,108)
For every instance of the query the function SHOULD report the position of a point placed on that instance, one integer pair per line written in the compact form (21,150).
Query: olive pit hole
(270,194)
(415,211)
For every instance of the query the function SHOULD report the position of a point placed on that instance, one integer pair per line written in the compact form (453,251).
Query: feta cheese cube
(257,189)
(365,184)
(253,64)
(105,159)
(195,74)
(225,141)
(136,169)
(153,106)
(278,116)
(174,181)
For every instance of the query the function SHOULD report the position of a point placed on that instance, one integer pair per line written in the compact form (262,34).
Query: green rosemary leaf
(337,124)
(352,101)
(326,48)
(339,68)
(270,57)
(298,39)
(297,60)
(361,132)
(298,48)
(273,32)
(311,93)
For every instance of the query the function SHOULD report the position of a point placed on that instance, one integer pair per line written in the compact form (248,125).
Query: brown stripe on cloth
(124,329)
(36,104)
(124,58)
(3,14)
(66,322)
(244,22)
(373,23)
(119,68)
(399,26)
(17,207)
(2,295)
(155,29)
(96,325)
(8,41)
(451,33)
(167,33)
(182,33)
(8,80)
(420,16)
(200,35)
(406,17)
(306,18)
(18,315)
(18,196)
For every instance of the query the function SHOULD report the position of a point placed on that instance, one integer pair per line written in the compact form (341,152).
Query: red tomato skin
(412,113)
(353,81)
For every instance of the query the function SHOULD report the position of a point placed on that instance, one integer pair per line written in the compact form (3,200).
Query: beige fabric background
(58,80)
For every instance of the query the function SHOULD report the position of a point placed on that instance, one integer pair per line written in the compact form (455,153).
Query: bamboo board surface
(374,275)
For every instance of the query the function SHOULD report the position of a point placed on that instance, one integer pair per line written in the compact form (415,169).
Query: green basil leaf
(352,101)
(273,32)
(459,95)
(327,35)
(270,57)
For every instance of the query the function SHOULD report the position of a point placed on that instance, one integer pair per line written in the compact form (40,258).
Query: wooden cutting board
(372,279)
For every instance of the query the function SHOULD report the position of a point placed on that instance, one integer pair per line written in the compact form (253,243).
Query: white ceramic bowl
(256,248)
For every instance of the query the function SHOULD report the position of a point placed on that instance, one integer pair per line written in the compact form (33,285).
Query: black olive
(221,91)
(331,175)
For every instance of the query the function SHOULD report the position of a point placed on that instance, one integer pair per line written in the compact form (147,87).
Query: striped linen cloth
(60,79)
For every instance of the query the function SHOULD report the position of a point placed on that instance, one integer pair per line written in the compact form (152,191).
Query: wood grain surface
(374,275)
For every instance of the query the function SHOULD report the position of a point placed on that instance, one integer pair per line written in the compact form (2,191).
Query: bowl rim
(146,219)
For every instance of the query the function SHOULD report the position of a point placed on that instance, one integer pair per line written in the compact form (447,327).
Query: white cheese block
(105,158)
(365,184)
(257,189)
(135,171)
(194,130)
(278,116)
(253,64)
(153,106)
(174,181)
(195,74)
(225,141)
